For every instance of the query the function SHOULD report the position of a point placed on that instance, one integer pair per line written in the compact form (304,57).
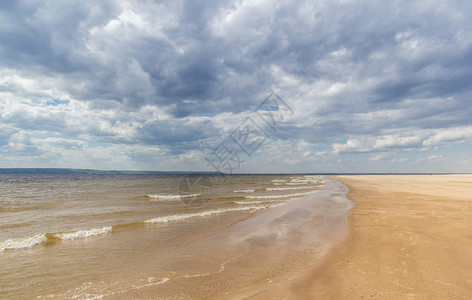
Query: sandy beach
(410,237)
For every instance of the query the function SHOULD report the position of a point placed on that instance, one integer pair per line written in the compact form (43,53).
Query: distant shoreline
(52,171)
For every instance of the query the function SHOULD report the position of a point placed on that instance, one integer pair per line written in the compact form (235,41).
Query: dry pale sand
(410,238)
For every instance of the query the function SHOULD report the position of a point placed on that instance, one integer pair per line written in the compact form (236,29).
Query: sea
(166,236)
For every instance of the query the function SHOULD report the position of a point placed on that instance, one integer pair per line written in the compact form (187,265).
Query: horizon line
(85,171)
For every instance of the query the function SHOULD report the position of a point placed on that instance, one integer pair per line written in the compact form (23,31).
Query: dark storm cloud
(44,34)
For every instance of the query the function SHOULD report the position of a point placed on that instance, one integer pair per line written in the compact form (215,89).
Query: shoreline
(265,248)
(408,238)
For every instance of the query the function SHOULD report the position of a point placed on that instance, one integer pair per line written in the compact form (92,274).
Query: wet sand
(410,237)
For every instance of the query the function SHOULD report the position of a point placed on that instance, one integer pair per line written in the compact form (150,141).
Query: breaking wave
(280,196)
(171,196)
(82,233)
(243,191)
(288,188)
(179,217)
(23,243)
(28,242)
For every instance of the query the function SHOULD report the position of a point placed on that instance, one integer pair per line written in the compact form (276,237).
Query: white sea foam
(23,243)
(82,233)
(314,179)
(243,191)
(194,275)
(296,183)
(37,239)
(278,180)
(280,196)
(173,218)
(171,196)
(223,265)
(87,290)
(153,281)
(145,283)
(288,188)
(300,181)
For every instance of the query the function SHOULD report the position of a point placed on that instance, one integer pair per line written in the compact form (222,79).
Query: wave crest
(171,218)
(171,196)
(23,243)
(280,196)
(28,242)
(82,233)
(288,188)
(243,191)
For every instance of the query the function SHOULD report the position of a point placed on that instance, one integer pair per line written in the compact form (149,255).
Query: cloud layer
(374,87)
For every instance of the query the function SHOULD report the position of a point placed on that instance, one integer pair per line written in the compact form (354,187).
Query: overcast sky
(373,86)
